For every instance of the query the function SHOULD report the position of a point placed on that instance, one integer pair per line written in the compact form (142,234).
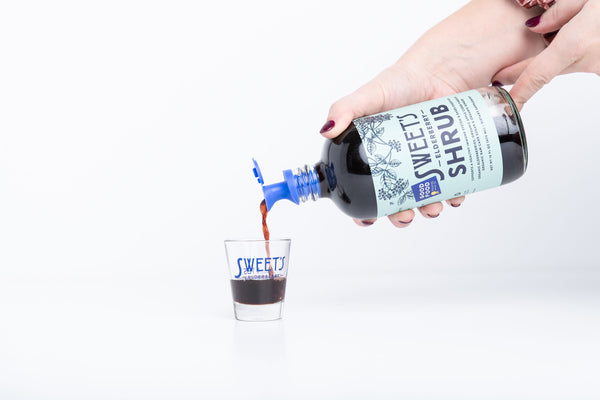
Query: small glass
(258,272)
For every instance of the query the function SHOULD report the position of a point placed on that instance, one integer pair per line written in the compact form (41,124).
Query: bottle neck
(307,184)
(297,188)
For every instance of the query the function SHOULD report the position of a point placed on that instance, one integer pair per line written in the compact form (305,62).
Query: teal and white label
(431,151)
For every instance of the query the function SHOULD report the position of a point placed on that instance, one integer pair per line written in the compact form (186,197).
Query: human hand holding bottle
(463,52)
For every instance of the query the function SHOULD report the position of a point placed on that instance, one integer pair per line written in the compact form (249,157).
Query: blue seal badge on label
(426,189)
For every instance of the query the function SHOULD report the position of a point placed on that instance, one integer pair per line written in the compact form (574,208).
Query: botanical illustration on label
(431,151)
(383,152)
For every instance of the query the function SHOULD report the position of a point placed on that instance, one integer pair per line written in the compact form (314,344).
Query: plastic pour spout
(296,188)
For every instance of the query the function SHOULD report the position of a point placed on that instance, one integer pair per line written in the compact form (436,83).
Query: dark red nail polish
(366,222)
(532,22)
(497,83)
(455,205)
(328,126)
(433,215)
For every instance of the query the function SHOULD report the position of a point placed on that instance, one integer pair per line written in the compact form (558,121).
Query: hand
(462,52)
(574,48)
(394,87)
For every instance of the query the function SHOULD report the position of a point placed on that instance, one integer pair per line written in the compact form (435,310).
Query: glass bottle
(413,156)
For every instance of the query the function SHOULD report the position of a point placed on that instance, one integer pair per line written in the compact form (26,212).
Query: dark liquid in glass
(258,291)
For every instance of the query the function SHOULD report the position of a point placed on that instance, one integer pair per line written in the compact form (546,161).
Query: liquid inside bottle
(413,156)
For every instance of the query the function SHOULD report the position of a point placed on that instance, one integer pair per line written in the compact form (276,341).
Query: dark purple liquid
(258,291)
(264,212)
(345,175)
(266,234)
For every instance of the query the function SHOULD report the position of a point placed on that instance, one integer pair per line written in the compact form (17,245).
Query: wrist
(466,49)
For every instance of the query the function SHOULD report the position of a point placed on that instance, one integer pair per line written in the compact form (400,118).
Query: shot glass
(258,273)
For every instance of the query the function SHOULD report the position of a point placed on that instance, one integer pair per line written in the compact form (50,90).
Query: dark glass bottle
(358,169)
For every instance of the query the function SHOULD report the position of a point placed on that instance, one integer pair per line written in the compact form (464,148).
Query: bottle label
(431,151)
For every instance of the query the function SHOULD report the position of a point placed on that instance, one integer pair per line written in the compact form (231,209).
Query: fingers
(541,70)
(554,60)
(364,222)
(402,219)
(456,202)
(510,74)
(432,210)
(556,16)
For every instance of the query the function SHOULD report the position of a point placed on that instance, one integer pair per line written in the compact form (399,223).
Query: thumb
(368,99)
(390,89)
(510,74)
(540,71)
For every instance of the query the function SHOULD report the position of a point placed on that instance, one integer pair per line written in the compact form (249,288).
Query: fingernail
(367,223)
(497,83)
(328,126)
(550,35)
(405,223)
(532,22)
(433,215)
(455,204)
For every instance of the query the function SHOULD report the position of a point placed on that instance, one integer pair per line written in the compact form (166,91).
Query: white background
(126,136)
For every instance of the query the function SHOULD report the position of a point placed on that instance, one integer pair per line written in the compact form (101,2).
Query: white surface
(466,335)
(126,133)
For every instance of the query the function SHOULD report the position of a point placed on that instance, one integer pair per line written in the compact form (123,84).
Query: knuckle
(382,84)
(337,105)
(537,80)
(554,12)
(382,93)
(371,96)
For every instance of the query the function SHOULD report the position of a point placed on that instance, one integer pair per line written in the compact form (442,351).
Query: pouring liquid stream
(266,234)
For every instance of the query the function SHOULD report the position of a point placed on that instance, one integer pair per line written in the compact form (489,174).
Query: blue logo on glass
(426,189)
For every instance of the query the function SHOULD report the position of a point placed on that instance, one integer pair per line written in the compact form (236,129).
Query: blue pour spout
(296,188)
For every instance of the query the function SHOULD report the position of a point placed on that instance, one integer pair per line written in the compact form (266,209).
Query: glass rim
(257,240)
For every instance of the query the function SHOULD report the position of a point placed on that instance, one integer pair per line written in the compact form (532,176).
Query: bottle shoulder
(345,175)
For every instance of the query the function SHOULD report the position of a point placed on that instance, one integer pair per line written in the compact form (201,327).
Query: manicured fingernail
(433,215)
(497,83)
(405,223)
(455,204)
(328,126)
(532,22)
(550,35)
(366,223)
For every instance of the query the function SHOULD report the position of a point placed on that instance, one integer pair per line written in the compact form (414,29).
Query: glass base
(258,312)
